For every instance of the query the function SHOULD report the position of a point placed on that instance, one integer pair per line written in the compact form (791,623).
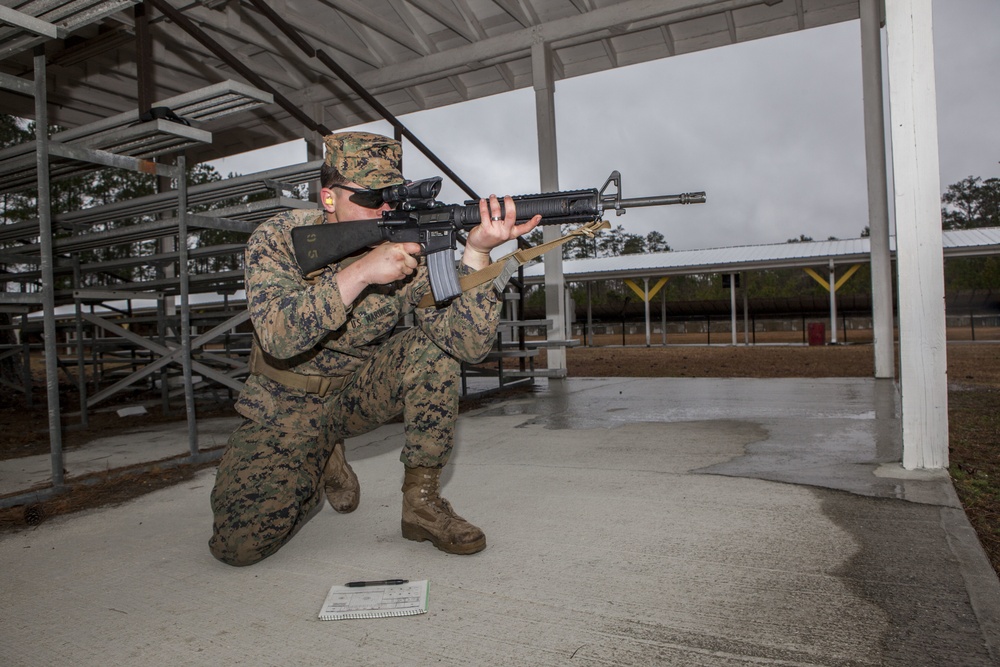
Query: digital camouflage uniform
(269,478)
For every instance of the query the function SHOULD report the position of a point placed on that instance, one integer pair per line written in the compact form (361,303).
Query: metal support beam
(663,316)
(878,198)
(833,302)
(746,309)
(185,294)
(548,162)
(589,342)
(732,306)
(47,268)
(16,84)
(646,298)
(30,23)
(116,161)
(168,352)
(144,58)
(646,294)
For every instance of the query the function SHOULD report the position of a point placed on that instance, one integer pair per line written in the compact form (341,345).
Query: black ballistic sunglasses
(365,197)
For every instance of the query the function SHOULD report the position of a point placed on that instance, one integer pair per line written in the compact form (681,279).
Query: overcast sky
(771,129)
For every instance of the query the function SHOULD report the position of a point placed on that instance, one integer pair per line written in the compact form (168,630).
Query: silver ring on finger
(496,218)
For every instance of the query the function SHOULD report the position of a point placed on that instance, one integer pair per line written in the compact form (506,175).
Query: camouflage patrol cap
(370,160)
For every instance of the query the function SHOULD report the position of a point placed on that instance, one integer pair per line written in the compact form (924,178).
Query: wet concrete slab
(629,522)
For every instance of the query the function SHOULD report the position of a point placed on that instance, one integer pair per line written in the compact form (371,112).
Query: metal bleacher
(127,135)
(32,23)
(103,324)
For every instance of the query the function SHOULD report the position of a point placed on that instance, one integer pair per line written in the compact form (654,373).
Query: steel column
(548,161)
(878,198)
(47,268)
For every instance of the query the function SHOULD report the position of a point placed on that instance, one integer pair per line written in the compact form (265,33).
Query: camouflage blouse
(303,325)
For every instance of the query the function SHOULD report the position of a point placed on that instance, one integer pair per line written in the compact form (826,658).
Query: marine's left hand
(494,230)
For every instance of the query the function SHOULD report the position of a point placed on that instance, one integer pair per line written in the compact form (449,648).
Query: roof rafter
(406,12)
(368,18)
(516,13)
(455,22)
(518,44)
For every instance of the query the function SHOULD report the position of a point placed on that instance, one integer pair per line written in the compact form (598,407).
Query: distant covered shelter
(140,83)
(831,263)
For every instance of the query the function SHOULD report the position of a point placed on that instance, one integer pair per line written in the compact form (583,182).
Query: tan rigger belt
(322,385)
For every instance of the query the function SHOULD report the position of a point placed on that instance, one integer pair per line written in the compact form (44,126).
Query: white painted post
(920,259)
(663,315)
(746,309)
(645,299)
(878,198)
(590,316)
(732,306)
(833,303)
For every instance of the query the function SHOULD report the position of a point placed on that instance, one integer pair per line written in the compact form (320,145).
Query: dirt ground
(974,406)
(968,364)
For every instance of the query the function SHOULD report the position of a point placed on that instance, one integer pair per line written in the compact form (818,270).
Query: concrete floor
(630,522)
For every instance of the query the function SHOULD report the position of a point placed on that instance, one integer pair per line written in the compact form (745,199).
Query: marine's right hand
(389,262)
(385,263)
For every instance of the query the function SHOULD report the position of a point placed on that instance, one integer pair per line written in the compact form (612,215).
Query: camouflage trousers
(269,480)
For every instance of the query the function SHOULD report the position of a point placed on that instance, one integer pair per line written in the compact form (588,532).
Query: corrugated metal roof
(413,55)
(959,243)
(971,242)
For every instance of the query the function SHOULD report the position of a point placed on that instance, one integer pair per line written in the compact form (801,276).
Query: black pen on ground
(384,582)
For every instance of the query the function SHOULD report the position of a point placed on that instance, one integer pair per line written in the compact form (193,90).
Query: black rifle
(420,218)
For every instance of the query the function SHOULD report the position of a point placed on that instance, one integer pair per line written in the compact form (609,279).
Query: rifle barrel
(661,200)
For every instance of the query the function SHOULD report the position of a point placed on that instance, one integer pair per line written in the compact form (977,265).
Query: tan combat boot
(428,516)
(339,481)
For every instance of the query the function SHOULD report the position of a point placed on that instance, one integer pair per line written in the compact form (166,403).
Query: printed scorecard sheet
(343,602)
